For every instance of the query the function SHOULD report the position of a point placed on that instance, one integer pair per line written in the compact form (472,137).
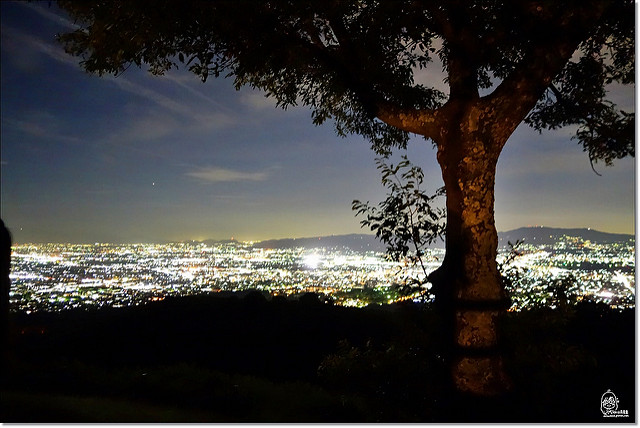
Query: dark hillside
(278,339)
(230,359)
(354,242)
(551,235)
(364,242)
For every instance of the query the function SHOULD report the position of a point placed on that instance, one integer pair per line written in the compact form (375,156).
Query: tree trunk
(467,286)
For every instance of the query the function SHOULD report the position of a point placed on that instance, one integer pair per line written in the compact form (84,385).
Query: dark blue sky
(140,158)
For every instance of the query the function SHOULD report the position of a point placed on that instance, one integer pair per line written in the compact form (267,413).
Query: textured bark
(468,285)
(470,132)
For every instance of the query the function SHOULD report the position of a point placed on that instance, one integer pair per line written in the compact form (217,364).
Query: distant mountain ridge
(366,242)
(548,235)
(354,242)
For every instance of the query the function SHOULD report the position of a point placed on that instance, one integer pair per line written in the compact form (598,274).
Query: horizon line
(232,238)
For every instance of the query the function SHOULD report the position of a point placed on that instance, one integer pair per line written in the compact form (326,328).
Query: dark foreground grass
(207,359)
(47,408)
(178,393)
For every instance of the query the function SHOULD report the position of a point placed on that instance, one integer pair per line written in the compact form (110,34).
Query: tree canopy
(354,62)
(357,62)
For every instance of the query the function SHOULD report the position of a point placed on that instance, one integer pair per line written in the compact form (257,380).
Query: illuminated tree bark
(470,132)
(468,285)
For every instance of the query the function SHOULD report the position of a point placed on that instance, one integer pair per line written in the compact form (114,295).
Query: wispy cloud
(56,53)
(202,118)
(47,13)
(257,100)
(214,120)
(218,175)
(21,45)
(199,118)
(185,79)
(149,94)
(42,125)
(147,126)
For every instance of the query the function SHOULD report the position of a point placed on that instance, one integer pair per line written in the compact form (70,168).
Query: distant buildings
(56,277)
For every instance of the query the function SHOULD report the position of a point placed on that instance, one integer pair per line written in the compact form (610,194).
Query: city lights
(54,277)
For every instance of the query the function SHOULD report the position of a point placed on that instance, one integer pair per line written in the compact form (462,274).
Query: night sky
(139,158)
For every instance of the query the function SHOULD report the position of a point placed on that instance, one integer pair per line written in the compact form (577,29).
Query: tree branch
(512,100)
(425,122)
(419,121)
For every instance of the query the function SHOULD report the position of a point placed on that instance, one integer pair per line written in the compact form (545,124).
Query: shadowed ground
(213,359)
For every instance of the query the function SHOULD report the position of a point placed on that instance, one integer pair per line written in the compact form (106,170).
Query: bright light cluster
(54,277)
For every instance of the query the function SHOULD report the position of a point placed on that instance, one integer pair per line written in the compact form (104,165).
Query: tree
(353,62)
(407,221)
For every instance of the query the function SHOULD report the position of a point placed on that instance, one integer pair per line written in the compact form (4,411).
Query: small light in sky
(153,184)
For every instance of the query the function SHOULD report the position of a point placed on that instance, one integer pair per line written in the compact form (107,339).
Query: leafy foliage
(408,220)
(349,59)
(390,378)
(578,94)
(297,52)
(512,275)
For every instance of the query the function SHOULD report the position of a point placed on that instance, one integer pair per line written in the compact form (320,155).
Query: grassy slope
(207,359)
